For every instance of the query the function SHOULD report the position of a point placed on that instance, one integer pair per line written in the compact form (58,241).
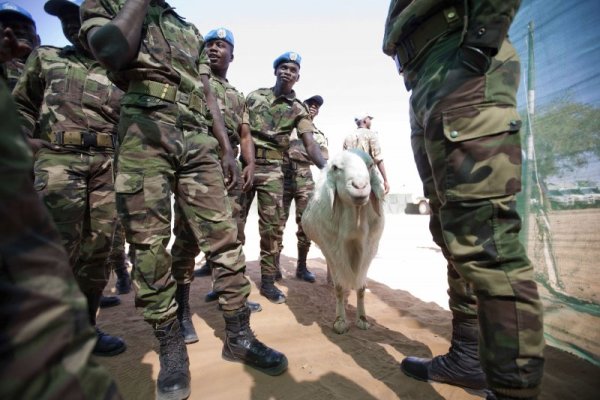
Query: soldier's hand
(36,144)
(474,59)
(248,177)
(230,171)
(11,47)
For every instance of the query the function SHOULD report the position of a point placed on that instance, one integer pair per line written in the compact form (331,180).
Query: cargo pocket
(131,205)
(483,151)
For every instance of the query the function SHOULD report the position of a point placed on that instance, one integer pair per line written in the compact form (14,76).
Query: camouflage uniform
(45,339)
(77,108)
(298,184)
(185,248)
(166,148)
(366,140)
(13,69)
(466,143)
(272,120)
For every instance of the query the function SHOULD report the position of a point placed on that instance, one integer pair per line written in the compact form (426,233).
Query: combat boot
(301,271)
(270,291)
(182,295)
(241,345)
(174,376)
(459,367)
(204,270)
(106,345)
(109,301)
(123,284)
(278,275)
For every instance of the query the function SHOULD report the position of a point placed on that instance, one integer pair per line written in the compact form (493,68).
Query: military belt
(167,92)
(411,46)
(83,139)
(297,165)
(268,154)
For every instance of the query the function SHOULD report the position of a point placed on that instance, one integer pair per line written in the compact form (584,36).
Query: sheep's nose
(359,184)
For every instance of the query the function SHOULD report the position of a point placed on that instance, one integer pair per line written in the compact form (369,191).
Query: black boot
(204,270)
(182,295)
(242,346)
(301,271)
(109,301)
(278,275)
(459,367)
(123,284)
(106,345)
(174,375)
(270,291)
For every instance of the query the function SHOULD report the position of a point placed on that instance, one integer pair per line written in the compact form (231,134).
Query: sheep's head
(354,178)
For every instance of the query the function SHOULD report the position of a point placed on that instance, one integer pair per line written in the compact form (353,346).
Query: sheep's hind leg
(361,315)
(340,325)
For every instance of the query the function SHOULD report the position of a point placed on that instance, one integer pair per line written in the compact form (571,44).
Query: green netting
(559,99)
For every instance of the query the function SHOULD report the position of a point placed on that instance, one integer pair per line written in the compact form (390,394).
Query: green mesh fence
(559,98)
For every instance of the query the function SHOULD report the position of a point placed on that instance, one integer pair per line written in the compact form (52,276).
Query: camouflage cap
(316,99)
(288,56)
(362,117)
(56,7)
(8,8)
(220,33)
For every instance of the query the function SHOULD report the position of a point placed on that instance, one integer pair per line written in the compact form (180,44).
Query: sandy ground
(406,305)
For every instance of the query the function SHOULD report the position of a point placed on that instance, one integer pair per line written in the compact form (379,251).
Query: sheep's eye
(335,168)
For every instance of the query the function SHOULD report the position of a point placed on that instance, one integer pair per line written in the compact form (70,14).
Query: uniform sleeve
(245,116)
(375,148)
(489,21)
(29,93)
(322,142)
(95,14)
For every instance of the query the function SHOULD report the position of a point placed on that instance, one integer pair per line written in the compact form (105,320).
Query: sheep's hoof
(340,326)
(362,323)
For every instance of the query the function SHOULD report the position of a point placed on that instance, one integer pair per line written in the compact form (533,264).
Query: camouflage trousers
(298,186)
(466,144)
(158,158)
(268,189)
(185,248)
(45,335)
(78,190)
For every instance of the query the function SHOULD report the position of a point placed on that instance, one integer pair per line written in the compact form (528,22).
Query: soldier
(274,113)
(298,186)
(45,336)
(68,94)
(21,24)
(219,44)
(466,144)
(166,148)
(365,139)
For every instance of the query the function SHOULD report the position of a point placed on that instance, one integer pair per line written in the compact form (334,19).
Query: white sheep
(345,219)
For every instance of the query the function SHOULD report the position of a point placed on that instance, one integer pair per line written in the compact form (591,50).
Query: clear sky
(340,44)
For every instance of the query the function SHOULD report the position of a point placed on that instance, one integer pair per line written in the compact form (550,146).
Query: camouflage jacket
(487,24)
(12,70)
(170,50)
(365,140)
(232,105)
(64,90)
(297,151)
(272,119)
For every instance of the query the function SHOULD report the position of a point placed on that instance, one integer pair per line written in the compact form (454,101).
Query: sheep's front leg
(340,326)
(361,316)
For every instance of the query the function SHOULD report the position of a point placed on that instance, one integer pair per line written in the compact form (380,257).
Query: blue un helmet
(55,7)
(220,33)
(289,56)
(7,8)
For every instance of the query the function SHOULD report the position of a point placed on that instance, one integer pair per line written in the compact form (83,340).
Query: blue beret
(55,7)
(289,56)
(8,7)
(220,33)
